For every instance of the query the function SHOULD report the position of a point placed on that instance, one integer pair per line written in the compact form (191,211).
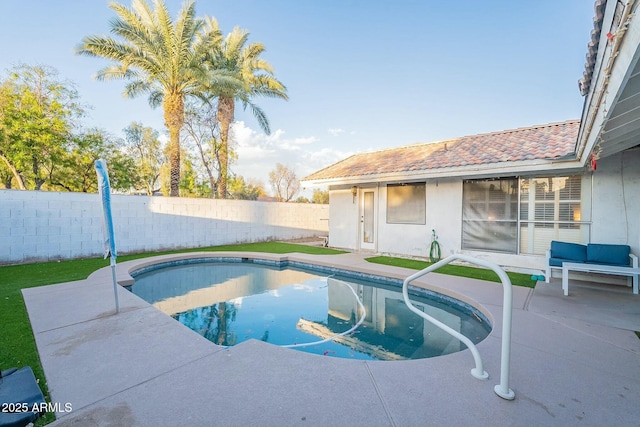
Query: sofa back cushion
(569,251)
(598,253)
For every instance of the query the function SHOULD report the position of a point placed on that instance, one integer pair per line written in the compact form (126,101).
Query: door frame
(362,245)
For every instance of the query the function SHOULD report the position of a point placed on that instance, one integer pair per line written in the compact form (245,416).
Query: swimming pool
(231,300)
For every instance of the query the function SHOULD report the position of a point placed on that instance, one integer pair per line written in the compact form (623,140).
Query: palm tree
(159,57)
(254,77)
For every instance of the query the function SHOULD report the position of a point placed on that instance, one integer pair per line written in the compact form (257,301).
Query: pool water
(231,302)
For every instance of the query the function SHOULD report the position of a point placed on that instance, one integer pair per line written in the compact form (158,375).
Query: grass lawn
(517,279)
(17,345)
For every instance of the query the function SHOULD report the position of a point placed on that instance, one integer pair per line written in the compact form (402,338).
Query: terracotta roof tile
(550,141)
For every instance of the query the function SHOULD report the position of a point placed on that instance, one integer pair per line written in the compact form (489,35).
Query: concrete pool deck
(575,361)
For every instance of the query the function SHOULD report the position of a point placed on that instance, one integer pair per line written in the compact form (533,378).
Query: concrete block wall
(41,226)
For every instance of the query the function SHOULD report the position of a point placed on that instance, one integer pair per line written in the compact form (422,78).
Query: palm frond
(165,35)
(103,47)
(211,35)
(270,87)
(115,72)
(143,11)
(137,87)
(262,65)
(253,51)
(155,98)
(187,27)
(233,46)
(132,24)
(222,83)
(261,117)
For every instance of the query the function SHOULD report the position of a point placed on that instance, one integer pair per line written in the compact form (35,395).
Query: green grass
(517,279)
(17,346)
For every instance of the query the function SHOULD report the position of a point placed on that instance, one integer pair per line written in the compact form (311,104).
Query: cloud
(295,144)
(305,141)
(312,161)
(335,131)
(258,153)
(255,144)
(249,143)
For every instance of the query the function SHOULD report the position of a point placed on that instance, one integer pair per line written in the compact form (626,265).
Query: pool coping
(417,290)
(137,368)
(124,273)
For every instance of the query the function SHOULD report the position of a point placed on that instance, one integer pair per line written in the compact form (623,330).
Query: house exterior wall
(343,219)
(41,226)
(616,200)
(443,214)
(610,202)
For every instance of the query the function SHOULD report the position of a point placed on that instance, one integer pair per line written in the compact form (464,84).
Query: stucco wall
(343,222)
(38,225)
(616,200)
(443,214)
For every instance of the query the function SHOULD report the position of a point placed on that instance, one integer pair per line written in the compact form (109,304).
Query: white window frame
(407,203)
(534,234)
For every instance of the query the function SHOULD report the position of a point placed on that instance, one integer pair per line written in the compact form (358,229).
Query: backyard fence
(41,226)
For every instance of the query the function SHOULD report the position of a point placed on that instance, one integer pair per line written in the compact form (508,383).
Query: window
(522,215)
(550,209)
(406,203)
(489,215)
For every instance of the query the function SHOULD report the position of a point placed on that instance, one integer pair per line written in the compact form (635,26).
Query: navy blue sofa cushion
(19,387)
(571,252)
(598,253)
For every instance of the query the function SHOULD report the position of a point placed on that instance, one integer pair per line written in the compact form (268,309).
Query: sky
(361,75)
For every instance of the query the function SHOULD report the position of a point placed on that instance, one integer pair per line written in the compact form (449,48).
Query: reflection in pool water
(229,303)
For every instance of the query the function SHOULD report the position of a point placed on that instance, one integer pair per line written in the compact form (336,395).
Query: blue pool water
(231,302)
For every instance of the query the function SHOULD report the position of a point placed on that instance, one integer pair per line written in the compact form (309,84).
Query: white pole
(115,283)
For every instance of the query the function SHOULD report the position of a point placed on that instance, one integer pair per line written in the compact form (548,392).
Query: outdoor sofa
(592,258)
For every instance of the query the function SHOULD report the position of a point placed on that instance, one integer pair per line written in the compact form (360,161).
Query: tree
(255,78)
(159,57)
(6,176)
(201,127)
(145,149)
(191,184)
(320,196)
(189,180)
(284,182)
(245,190)
(9,152)
(37,112)
(74,171)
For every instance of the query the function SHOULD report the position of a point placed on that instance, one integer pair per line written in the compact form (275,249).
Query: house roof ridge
(494,133)
(414,144)
(525,128)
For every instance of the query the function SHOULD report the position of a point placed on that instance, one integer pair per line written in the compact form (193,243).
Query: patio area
(575,361)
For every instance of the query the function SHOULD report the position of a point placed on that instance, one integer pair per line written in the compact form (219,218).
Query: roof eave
(524,167)
(615,63)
